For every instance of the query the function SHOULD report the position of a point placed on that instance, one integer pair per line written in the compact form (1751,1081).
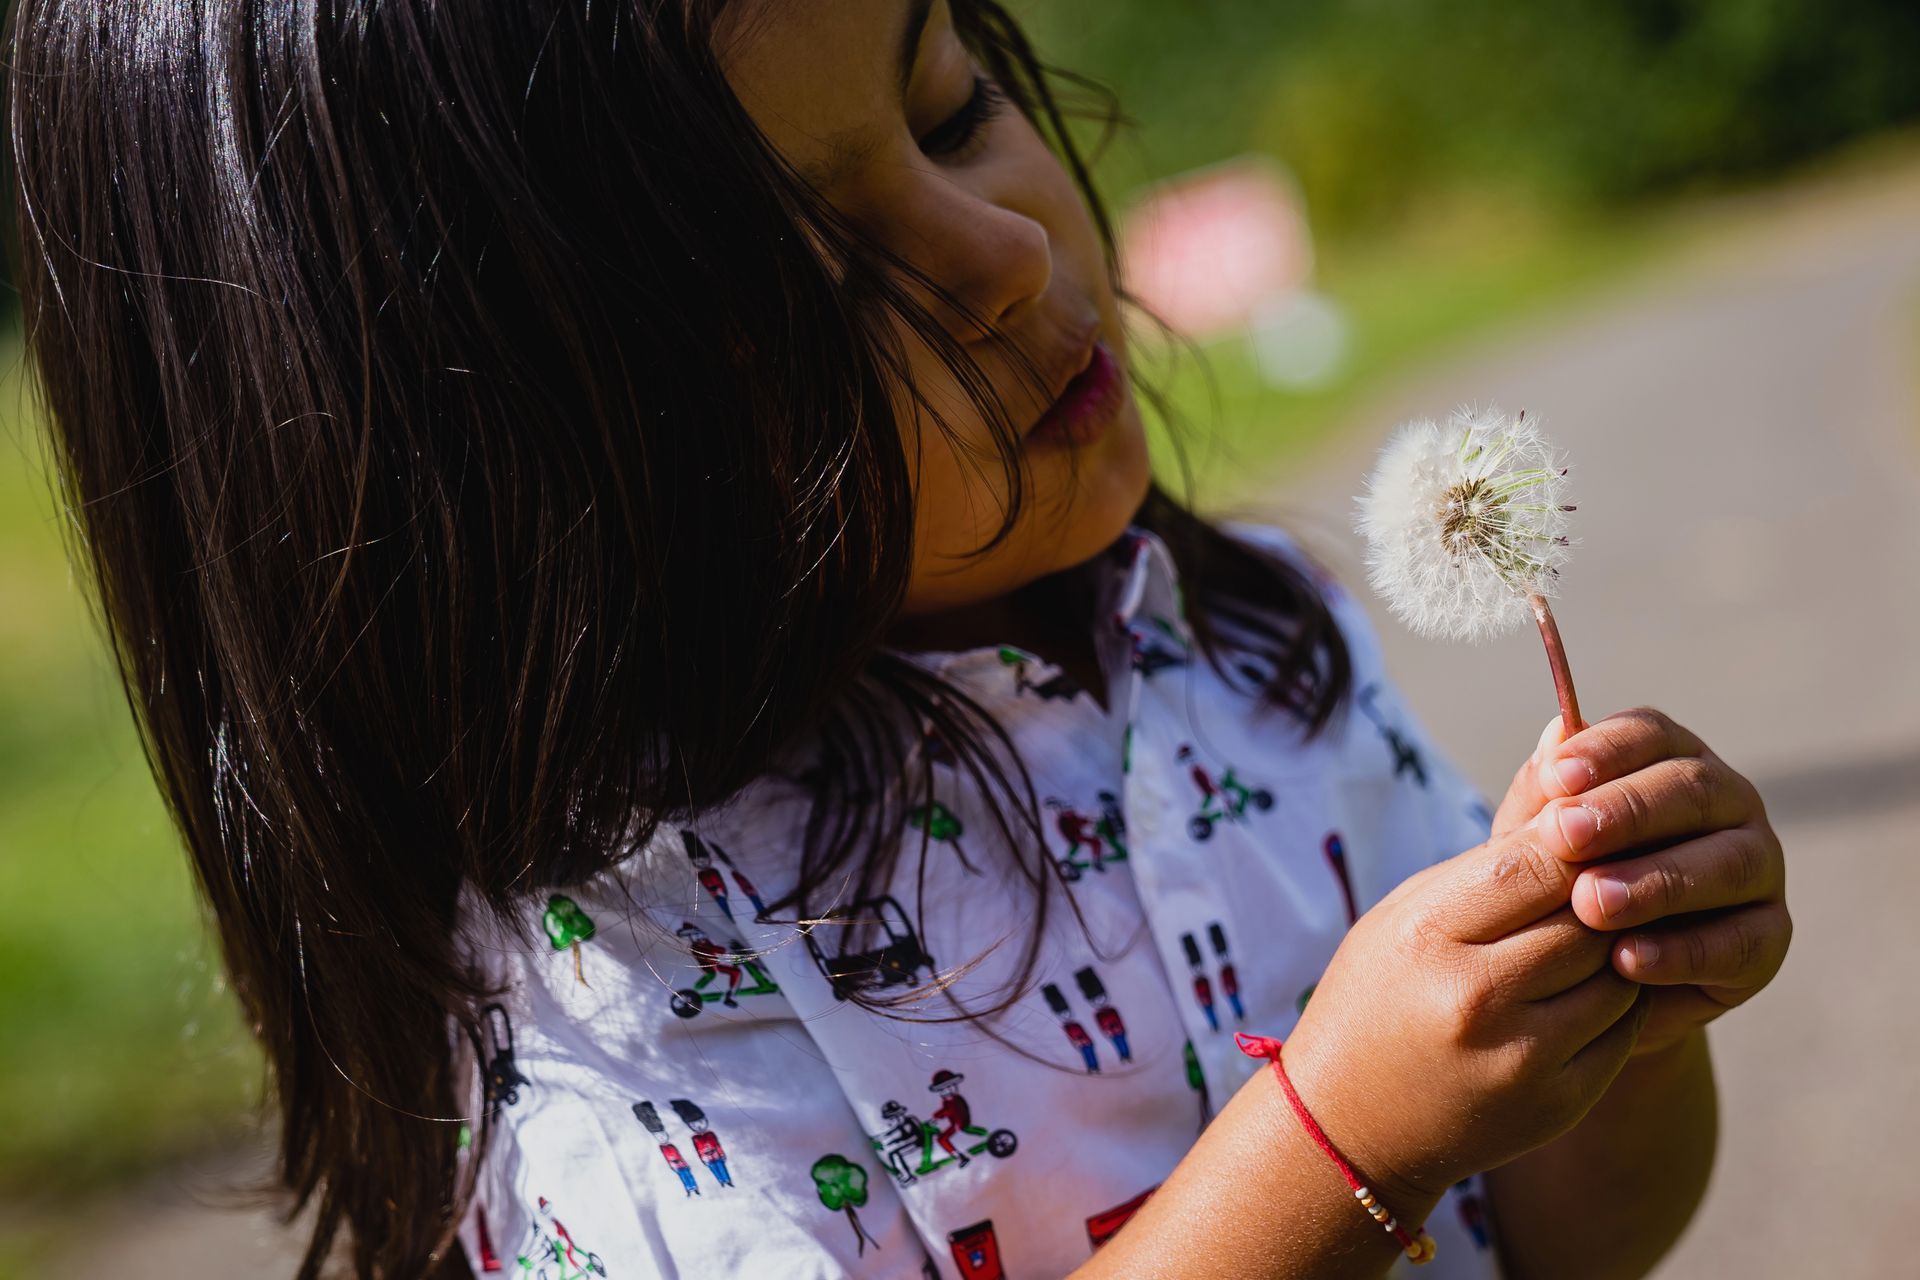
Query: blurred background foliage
(1383,106)
(1461,162)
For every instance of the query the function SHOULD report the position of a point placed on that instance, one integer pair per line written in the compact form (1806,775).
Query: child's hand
(1473,1014)
(1717,854)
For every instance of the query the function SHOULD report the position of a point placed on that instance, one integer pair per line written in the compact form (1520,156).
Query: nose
(994,260)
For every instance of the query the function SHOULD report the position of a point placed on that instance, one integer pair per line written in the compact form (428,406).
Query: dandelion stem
(1557,659)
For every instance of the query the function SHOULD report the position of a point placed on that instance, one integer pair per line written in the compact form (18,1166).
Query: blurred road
(1745,431)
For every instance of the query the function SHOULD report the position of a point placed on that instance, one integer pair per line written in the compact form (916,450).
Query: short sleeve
(657,1109)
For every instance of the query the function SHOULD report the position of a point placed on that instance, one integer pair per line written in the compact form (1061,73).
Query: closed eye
(952,138)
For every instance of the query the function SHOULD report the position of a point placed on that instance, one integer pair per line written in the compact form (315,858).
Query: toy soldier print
(650,1120)
(1076,1034)
(1202,985)
(706,1143)
(709,875)
(1104,1014)
(1229,980)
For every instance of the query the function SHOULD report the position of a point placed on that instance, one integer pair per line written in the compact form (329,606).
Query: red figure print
(713,959)
(1202,987)
(567,1254)
(953,1112)
(714,883)
(746,887)
(1076,1034)
(1080,830)
(706,1143)
(1108,1018)
(700,854)
(1229,980)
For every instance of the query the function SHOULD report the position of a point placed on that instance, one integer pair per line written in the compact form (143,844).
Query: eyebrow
(845,146)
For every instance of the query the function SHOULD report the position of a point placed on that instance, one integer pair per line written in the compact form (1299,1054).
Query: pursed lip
(1067,366)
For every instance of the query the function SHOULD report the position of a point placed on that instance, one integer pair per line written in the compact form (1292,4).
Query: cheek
(960,489)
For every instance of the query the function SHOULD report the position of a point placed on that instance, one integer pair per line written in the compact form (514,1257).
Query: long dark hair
(461,497)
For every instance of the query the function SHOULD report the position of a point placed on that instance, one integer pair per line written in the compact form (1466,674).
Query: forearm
(1607,1199)
(1255,1199)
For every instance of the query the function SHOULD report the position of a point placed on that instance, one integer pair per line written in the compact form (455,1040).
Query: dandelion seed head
(1464,519)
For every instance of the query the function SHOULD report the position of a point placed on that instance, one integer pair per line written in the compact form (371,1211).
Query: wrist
(1401,1179)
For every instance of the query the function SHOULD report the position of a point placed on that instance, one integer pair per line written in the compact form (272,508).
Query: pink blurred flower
(1206,248)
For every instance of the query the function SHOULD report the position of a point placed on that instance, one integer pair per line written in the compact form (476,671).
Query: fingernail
(1549,734)
(1611,894)
(1575,775)
(1577,826)
(1645,952)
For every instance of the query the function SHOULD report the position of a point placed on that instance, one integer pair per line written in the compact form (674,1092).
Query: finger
(1669,799)
(1524,795)
(1724,869)
(1731,954)
(1544,958)
(1491,890)
(1591,1069)
(1623,743)
(1582,1014)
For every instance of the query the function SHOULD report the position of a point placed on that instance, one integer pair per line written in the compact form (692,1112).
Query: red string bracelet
(1419,1249)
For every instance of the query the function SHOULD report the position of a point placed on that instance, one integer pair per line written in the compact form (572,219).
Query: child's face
(1000,223)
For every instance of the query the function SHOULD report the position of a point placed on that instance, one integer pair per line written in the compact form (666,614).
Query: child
(631,546)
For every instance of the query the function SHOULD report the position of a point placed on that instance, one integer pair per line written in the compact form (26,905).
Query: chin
(1112,481)
(1073,514)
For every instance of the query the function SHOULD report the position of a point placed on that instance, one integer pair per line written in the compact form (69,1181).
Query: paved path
(1745,435)
(1744,430)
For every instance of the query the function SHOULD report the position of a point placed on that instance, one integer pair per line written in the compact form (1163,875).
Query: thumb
(1525,798)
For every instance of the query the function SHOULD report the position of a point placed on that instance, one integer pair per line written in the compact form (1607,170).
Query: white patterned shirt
(683,1090)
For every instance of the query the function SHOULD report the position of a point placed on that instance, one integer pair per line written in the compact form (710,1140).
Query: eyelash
(960,130)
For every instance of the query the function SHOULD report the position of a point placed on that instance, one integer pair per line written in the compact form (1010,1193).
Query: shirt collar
(1137,588)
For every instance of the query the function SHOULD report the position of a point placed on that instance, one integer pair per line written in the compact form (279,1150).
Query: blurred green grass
(122,1046)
